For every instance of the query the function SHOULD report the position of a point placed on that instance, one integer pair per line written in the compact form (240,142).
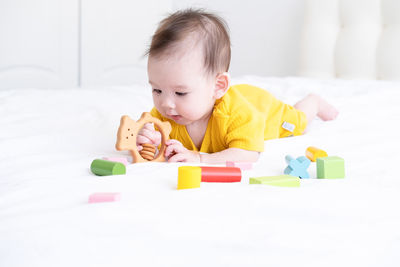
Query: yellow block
(189,177)
(312,153)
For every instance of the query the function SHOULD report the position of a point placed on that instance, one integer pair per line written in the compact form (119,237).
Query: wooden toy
(221,174)
(242,165)
(104,167)
(128,130)
(297,167)
(148,152)
(189,177)
(330,167)
(312,153)
(104,197)
(122,160)
(281,180)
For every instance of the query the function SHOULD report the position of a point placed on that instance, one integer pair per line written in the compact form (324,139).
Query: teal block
(104,167)
(297,167)
(330,167)
(281,180)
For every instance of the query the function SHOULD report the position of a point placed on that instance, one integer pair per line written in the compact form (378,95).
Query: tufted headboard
(351,39)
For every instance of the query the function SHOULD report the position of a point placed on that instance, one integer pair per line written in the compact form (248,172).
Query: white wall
(265,33)
(38,43)
(67,43)
(114,37)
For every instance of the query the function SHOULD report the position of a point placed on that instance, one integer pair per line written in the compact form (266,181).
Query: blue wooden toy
(297,167)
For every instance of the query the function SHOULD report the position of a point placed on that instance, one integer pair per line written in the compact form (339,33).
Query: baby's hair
(209,29)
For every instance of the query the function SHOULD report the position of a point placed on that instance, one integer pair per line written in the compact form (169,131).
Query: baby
(188,62)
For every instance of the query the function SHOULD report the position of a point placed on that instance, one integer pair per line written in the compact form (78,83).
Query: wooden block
(330,167)
(312,153)
(189,177)
(297,167)
(281,180)
(220,174)
(242,165)
(104,197)
(104,167)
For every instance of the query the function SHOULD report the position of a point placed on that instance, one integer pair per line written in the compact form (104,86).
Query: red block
(220,174)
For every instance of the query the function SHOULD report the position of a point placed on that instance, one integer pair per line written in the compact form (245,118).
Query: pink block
(122,160)
(242,165)
(104,197)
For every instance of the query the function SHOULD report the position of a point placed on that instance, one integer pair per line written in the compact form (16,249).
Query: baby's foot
(326,111)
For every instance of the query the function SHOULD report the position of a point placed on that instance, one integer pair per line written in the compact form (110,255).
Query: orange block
(312,153)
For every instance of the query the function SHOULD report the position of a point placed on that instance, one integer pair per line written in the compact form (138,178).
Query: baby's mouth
(175,117)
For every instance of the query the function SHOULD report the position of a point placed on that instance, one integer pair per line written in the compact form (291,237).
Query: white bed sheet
(48,139)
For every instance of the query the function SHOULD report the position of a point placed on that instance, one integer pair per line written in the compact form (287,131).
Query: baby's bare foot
(326,111)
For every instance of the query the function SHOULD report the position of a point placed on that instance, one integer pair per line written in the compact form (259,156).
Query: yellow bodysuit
(243,118)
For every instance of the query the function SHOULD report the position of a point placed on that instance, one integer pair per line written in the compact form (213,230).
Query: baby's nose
(168,102)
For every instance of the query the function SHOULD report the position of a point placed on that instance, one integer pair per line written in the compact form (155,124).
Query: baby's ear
(222,83)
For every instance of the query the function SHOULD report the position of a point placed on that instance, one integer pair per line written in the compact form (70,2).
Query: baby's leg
(313,105)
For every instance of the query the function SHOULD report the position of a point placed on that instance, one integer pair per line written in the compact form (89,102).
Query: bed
(49,138)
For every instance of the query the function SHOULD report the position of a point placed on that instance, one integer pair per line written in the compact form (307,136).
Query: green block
(281,180)
(104,167)
(330,167)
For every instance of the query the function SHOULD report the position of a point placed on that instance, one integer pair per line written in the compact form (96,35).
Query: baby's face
(182,91)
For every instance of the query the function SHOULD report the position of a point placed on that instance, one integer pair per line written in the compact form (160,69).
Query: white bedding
(48,139)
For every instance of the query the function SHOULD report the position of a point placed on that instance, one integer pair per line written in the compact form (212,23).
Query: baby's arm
(230,154)
(176,152)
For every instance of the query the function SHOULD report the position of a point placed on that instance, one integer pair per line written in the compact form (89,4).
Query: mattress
(48,139)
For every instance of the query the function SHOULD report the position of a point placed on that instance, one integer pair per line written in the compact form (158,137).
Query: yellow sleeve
(245,130)
(154,112)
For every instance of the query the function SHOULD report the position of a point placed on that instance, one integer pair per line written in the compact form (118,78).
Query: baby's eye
(157,91)
(180,93)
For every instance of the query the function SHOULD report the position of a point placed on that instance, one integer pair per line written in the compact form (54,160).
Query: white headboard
(351,39)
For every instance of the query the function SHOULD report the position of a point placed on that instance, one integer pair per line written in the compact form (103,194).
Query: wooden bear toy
(127,133)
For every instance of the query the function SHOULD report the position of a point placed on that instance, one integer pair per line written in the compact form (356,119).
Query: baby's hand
(176,152)
(148,135)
